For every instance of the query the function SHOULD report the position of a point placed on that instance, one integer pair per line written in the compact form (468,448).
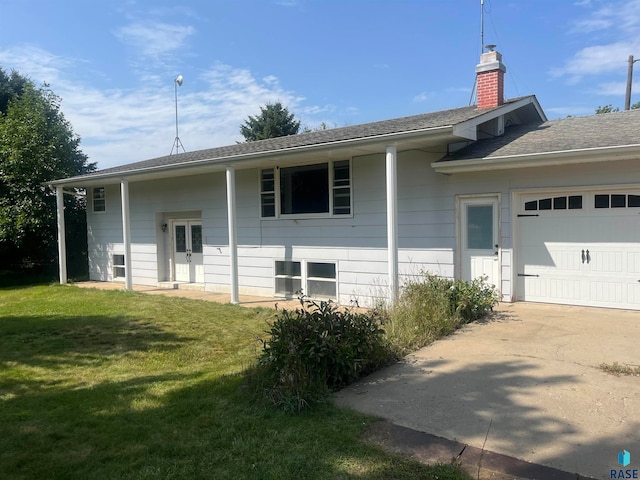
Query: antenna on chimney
(481,26)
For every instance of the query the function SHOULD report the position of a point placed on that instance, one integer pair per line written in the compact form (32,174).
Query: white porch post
(62,248)
(126,234)
(392,220)
(233,235)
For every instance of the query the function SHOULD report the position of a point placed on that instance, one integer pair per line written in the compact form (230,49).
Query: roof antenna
(177,143)
(481,26)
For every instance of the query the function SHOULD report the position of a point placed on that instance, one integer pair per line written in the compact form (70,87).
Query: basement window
(118,266)
(314,279)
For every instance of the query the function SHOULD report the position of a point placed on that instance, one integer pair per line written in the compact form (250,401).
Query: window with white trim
(288,277)
(314,279)
(321,279)
(118,266)
(98,200)
(316,189)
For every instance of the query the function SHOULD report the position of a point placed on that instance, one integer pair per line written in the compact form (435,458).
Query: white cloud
(119,126)
(422,97)
(618,27)
(155,39)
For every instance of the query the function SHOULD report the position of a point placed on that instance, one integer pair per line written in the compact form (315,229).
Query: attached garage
(579,247)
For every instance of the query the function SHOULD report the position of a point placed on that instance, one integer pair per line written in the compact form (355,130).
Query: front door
(480,249)
(187,251)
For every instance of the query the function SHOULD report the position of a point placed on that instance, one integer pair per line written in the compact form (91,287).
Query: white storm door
(187,253)
(479,253)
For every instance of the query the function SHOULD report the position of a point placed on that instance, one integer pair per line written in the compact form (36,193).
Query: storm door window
(99,200)
(304,189)
(479,227)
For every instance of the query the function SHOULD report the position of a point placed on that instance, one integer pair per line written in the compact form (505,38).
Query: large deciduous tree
(274,121)
(37,145)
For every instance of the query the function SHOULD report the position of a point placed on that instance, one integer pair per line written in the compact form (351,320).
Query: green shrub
(317,349)
(433,307)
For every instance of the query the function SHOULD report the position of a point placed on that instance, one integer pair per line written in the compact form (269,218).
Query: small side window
(99,200)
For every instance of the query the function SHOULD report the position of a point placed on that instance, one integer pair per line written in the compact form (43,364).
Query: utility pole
(627,100)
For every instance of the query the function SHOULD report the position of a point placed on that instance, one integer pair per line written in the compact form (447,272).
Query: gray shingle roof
(356,132)
(573,133)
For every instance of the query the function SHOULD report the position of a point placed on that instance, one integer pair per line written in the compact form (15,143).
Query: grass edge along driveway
(112,384)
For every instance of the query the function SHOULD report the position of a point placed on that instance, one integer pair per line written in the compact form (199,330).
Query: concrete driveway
(528,379)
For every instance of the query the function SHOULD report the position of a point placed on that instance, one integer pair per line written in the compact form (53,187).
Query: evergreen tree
(274,121)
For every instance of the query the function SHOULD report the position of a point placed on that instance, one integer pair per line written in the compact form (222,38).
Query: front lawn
(110,384)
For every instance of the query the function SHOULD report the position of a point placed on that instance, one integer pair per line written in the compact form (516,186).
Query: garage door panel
(588,256)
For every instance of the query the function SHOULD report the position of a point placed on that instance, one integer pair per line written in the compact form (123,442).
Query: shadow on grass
(194,427)
(49,341)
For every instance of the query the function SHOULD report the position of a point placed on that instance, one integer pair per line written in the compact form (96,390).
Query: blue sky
(341,62)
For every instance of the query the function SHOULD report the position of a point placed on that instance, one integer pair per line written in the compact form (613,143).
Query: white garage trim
(590,256)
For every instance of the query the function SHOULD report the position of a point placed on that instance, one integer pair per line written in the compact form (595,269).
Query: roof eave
(390,138)
(542,159)
(468,129)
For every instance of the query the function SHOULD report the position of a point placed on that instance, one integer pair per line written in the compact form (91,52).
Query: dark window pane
(304,189)
(196,238)
(533,205)
(575,202)
(342,201)
(560,203)
(602,201)
(322,270)
(341,173)
(545,204)
(99,203)
(268,181)
(290,269)
(181,238)
(634,200)
(618,201)
(268,204)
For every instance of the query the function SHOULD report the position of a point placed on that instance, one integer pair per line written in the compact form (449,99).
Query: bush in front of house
(432,307)
(316,349)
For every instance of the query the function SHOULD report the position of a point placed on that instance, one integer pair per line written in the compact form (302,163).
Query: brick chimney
(490,72)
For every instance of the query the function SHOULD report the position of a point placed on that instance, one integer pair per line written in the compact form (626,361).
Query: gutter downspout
(233,234)
(62,246)
(392,221)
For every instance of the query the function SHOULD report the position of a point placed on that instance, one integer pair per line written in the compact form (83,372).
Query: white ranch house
(549,211)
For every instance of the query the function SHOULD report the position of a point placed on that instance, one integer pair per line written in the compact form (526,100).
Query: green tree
(37,145)
(610,108)
(607,109)
(274,121)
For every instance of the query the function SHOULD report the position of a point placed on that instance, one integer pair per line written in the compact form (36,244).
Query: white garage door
(579,248)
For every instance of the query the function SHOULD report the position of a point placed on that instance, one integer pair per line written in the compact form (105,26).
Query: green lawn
(103,384)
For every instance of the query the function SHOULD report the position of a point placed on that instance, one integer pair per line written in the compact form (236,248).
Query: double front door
(187,251)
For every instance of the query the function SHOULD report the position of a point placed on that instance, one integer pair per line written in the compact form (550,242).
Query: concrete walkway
(528,381)
(195,294)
